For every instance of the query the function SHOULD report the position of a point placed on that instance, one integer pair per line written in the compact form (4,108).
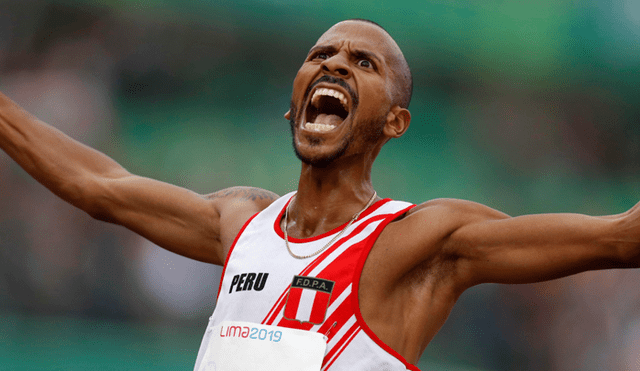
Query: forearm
(533,248)
(65,166)
(172,217)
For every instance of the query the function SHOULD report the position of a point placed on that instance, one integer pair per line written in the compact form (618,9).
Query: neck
(327,198)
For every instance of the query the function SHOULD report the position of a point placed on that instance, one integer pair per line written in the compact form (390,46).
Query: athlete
(375,277)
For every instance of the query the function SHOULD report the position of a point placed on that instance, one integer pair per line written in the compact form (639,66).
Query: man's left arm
(493,247)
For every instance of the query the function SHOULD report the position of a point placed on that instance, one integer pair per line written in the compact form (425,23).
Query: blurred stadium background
(524,106)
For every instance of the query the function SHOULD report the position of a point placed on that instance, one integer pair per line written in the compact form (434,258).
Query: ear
(288,115)
(398,120)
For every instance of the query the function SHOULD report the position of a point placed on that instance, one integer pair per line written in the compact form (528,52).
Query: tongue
(328,119)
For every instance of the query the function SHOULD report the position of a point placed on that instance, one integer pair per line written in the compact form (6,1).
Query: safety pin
(330,328)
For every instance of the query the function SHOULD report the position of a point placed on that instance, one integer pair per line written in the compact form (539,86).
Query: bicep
(172,217)
(532,248)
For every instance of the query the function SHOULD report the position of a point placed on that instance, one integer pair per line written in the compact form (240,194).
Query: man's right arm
(174,218)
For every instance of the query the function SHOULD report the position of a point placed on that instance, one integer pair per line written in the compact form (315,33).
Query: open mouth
(327,109)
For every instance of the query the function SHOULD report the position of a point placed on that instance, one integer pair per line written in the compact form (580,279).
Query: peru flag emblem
(308,299)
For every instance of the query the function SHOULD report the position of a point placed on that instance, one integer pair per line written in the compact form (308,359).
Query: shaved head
(351,94)
(402,73)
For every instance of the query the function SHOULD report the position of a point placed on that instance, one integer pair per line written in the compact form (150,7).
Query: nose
(336,65)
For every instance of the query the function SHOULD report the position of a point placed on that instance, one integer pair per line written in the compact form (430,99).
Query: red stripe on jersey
(335,352)
(278,229)
(277,308)
(356,285)
(339,317)
(325,254)
(235,241)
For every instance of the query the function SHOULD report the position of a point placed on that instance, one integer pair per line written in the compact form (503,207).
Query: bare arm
(489,246)
(172,217)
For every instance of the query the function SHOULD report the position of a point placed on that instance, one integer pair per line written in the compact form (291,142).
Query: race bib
(243,346)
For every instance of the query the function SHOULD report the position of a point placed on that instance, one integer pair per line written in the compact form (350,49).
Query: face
(342,93)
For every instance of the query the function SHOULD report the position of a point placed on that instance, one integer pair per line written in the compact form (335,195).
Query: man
(377,278)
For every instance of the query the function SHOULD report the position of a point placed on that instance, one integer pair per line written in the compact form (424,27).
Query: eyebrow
(358,53)
(324,48)
(367,54)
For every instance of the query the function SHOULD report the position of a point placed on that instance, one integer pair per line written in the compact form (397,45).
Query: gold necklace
(286,236)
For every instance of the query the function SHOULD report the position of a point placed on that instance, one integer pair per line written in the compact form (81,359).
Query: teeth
(330,93)
(318,127)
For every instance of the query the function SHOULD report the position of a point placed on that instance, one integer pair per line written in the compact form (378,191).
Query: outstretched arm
(489,246)
(172,217)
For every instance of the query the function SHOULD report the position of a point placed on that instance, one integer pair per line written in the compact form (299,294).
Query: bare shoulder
(457,212)
(235,206)
(422,234)
(437,222)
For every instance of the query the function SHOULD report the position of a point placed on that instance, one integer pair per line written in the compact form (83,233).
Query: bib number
(243,346)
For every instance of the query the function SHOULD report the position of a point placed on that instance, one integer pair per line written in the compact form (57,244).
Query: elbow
(627,241)
(89,195)
(629,253)
(100,214)
(98,207)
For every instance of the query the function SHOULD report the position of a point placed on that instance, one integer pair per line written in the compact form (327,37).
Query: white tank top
(263,284)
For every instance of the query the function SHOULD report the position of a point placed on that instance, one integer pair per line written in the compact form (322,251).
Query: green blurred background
(527,107)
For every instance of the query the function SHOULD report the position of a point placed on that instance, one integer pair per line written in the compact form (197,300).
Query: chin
(319,160)
(311,153)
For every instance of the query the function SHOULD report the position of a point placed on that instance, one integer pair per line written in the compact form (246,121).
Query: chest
(264,283)
(264,279)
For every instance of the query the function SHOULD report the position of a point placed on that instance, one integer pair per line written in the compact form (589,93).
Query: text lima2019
(251,333)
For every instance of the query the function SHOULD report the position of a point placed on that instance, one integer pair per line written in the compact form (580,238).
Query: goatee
(319,162)
(372,133)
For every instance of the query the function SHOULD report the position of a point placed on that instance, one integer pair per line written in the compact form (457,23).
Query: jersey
(263,284)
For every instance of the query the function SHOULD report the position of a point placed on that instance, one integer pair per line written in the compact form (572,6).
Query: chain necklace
(286,236)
